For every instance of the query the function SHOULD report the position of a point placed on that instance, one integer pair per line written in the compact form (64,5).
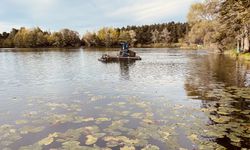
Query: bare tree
(133,39)
(155,36)
(165,35)
(89,38)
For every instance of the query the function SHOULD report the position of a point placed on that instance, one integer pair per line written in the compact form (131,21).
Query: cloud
(90,14)
(7,26)
(36,6)
(147,11)
(35,9)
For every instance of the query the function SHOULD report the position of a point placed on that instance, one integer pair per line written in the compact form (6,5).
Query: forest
(212,24)
(220,24)
(105,37)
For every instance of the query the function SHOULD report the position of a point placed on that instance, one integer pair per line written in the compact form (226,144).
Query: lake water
(171,99)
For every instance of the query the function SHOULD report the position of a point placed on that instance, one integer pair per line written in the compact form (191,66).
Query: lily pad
(71,145)
(90,140)
(95,98)
(193,137)
(148,121)
(121,139)
(91,129)
(220,119)
(19,122)
(30,129)
(234,138)
(127,148)
(151,147)
(79,119)
(48,140)
(102,119)
(31,147)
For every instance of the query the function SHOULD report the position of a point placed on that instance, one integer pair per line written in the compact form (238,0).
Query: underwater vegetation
(130,123)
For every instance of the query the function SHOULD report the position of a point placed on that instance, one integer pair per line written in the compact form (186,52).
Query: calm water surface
(171,99)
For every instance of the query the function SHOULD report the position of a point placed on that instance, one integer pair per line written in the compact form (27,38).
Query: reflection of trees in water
(215,72)
(225,81)
(124,69)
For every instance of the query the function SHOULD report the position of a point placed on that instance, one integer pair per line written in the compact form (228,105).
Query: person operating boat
(124,52)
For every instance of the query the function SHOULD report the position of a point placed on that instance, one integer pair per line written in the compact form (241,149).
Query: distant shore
(156,45)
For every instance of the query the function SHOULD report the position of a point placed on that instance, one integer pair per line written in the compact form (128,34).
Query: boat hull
(118,58)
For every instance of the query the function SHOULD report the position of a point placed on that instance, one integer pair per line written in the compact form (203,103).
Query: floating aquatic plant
(151,147)
(48,140)
(19,122)
(31,147)
(30,129)
(90,139)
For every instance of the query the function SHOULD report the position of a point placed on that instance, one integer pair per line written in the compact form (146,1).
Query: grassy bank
(234,54)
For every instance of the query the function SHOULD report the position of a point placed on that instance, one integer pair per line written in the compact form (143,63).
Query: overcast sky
(83,15)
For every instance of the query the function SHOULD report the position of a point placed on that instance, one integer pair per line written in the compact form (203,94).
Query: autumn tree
(132,35)
(89,39)
(70,38)
(30,38)
(108,36)
(19,39)
(165,35)
(128,36)
(124,36)
(235,19)
(7,39)
(201,18)
(64,38)
(155,36)
(223,22)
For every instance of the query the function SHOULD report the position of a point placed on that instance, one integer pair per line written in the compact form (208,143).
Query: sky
(89,15)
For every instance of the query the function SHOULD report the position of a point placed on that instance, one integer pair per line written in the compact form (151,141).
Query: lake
(171,99)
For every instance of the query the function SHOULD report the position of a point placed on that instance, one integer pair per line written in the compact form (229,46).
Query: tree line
(137,35)
(105,37)
(218,24)
(35,37)
(222,24)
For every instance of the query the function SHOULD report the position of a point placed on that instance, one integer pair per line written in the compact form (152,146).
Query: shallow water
(171,99)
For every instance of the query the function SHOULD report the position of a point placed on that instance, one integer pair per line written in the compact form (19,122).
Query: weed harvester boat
(124,55)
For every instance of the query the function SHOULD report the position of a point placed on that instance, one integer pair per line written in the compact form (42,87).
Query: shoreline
(240,56)
(156,45)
